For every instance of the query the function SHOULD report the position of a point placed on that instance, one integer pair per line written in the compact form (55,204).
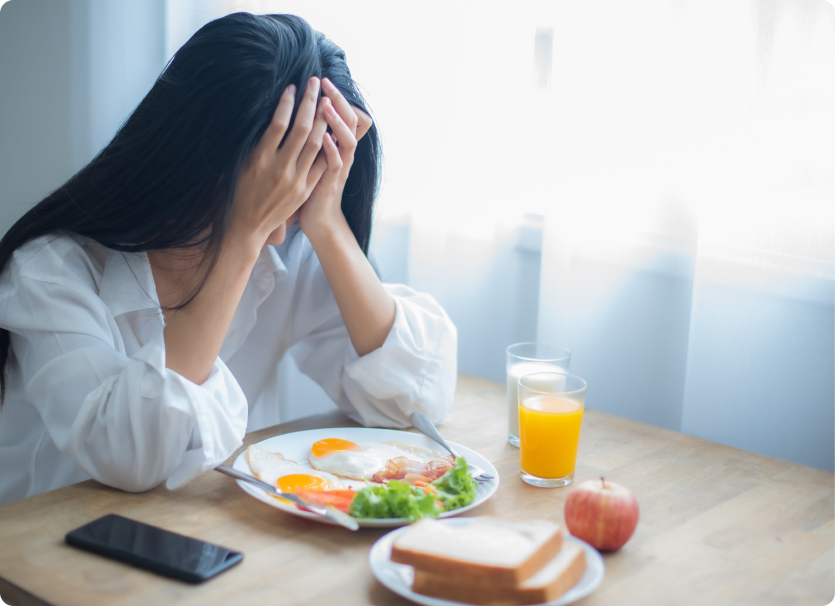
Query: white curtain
(688,256)
(680,154)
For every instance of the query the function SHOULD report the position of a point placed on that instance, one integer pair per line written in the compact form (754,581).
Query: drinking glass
(550,414)
(524,359)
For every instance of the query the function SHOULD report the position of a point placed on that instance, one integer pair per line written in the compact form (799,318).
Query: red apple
(603,514)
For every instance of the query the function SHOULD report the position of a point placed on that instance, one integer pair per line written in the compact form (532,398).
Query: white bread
(485,550)
(553,580)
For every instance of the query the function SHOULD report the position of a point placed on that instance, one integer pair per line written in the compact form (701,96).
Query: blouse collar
(127,282)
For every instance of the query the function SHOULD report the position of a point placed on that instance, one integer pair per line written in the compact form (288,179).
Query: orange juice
(549,432)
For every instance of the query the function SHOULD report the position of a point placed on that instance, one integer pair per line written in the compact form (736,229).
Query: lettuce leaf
(399,499)
(396,499)
(456,488)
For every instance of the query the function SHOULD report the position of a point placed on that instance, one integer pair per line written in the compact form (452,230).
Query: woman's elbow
(127,468)
(134,485)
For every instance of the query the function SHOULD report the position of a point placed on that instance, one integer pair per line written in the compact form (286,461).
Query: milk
(520,370)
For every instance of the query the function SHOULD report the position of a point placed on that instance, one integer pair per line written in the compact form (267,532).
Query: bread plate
(398,577)
(296,446)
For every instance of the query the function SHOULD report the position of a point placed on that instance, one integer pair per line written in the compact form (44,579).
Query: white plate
(399,577)
(296,446)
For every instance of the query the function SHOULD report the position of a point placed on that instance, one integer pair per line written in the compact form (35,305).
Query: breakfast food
(490,560)
(437,484)
(553,579)
(340,499)
(399,499)
(287,475)
(485,550)
(401,468)
(362,460)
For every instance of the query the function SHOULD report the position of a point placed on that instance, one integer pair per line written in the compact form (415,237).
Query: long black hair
(169,175)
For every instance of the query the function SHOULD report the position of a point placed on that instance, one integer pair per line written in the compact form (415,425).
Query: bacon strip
(402,468)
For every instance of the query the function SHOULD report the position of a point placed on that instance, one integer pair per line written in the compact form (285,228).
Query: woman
(146,304)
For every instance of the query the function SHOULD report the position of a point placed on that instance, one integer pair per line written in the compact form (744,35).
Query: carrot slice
(340,499)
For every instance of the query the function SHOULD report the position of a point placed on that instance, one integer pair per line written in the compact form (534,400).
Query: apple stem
(602,482)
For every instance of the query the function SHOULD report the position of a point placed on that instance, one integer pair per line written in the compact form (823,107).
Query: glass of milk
(524,359)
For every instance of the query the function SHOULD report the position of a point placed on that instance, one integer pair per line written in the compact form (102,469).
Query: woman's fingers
(278,125)
(343,108)
(304,120)
(318,169)
(344,133)
(314,141)
(332,154)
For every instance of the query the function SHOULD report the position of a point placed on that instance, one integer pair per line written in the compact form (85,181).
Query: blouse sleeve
(414,370)
(128,422)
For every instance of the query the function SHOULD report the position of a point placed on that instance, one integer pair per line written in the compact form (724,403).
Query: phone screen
(165,552)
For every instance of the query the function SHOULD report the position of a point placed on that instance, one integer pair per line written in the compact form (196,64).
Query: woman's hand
(275,181)
(321,214)
(366,308)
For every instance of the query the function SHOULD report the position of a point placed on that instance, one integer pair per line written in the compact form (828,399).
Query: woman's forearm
(274,181)
(195,333)
(366,308)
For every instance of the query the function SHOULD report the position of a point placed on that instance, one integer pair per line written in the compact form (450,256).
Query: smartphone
(152,548)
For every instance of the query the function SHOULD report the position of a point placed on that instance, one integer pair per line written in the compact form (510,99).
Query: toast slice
(554,579)
(493,550)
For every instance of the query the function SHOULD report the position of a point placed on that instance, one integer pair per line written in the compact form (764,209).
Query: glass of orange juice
(550,414)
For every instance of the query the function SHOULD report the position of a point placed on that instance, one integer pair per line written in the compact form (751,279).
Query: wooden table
(718,526)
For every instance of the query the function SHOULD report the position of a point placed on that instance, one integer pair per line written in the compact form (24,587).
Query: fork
(425,426)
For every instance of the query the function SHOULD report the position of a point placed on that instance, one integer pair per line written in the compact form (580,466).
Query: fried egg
(361,460)
(287,475)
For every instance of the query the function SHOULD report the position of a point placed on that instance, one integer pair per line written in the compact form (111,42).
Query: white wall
(761,364)
(37,102)
(71,71)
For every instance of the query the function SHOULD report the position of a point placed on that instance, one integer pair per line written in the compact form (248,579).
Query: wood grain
(718,526)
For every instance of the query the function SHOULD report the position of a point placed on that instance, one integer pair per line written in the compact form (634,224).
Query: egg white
(360,465)
(270,466)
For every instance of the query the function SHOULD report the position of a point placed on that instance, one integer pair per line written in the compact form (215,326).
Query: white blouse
(89,396)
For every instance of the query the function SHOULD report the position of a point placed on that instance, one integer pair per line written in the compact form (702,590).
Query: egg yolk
(291,482)
(323,448)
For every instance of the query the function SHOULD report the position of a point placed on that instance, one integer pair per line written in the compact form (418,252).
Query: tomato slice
(340,499)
